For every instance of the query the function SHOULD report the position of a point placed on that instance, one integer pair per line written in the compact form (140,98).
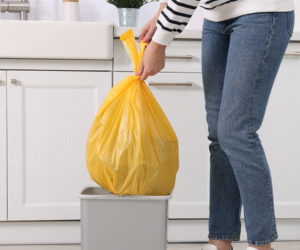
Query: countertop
(185,34)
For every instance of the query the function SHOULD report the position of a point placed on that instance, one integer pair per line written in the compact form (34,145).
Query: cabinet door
(49,117)
(3,167)
(280,135)
(185,109)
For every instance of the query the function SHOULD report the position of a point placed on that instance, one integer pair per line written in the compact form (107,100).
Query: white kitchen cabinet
(280,135)
(3,166)
(185,109)
(51,108)
(49,117)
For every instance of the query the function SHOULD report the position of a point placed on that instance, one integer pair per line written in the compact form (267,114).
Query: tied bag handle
(129,43)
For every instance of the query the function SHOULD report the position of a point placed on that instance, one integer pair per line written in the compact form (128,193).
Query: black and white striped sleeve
(173,19)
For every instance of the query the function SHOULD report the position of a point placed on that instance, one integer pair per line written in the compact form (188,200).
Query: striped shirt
(177,13)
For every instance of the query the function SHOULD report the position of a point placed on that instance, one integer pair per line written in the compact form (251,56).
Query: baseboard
(180,231)
(68,232)
(40,232)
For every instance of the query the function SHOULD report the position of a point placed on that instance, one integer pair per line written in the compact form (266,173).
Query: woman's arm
(173,19)
(147,31)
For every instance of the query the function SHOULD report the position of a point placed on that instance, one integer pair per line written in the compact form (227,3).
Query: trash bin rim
(121,197)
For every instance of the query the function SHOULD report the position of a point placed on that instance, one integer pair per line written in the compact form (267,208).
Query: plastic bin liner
(131,147)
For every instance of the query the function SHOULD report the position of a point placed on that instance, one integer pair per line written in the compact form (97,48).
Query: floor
(279,245)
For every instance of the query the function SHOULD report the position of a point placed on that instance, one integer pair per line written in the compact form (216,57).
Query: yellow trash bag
(132,148)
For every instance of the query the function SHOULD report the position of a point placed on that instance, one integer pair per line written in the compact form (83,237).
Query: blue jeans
(240,60)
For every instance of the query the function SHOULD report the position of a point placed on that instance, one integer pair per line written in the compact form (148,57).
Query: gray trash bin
(122,222)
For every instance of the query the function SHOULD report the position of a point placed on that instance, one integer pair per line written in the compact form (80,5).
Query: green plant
(135,4)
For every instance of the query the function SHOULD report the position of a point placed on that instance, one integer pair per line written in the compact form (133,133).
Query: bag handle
(129,43)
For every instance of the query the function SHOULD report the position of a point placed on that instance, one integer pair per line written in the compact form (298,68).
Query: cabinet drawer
(181,56)
(165,81)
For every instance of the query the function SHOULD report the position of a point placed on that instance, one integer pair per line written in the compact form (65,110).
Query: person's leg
(225,201)
(257,45)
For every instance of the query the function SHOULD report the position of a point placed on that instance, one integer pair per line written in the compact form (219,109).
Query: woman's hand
(153,60)
(148,30)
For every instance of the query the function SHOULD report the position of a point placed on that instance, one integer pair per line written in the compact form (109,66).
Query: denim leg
(257,45)
(225,201)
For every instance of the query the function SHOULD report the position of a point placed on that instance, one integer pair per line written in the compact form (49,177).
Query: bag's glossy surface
(132,147)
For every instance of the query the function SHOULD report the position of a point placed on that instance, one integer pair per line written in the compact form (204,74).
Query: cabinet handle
(186,84)
(13,81)
(179,57)
(296,53)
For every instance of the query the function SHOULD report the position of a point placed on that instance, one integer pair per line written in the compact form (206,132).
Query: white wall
(101,11)
(93,11)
